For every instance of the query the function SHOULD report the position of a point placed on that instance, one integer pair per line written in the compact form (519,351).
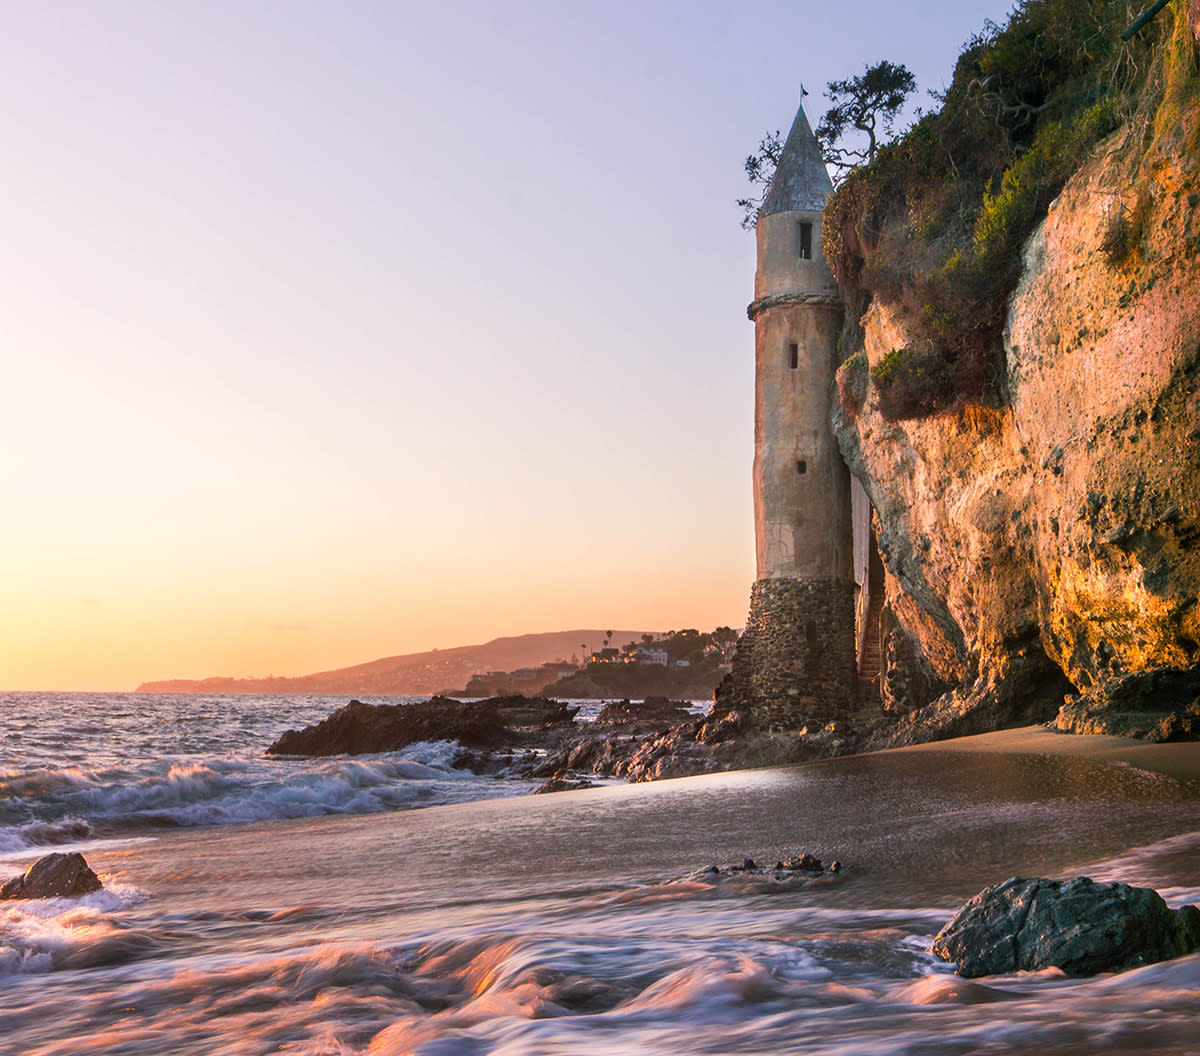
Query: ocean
(390,904)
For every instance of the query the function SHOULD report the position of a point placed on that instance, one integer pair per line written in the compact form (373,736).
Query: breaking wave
(55,806)
(54,934)
(66,830)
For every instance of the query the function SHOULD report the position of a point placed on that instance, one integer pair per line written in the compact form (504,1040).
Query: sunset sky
(340,330)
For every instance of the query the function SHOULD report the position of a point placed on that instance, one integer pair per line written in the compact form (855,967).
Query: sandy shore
(1180,759)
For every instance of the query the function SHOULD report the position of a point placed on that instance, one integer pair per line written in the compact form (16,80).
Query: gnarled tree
(865,105)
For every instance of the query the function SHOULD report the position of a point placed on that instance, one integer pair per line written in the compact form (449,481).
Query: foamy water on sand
(584,922)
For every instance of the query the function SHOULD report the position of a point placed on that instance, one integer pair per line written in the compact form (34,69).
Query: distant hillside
(413,674)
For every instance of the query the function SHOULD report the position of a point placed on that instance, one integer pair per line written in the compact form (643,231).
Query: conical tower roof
(800,180)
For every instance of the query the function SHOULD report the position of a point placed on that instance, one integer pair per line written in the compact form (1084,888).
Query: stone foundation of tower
(794,664)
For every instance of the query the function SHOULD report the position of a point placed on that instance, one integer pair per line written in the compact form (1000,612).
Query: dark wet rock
(803,863)
(482,763)
(653,739)
(797,867)
(520,737)
(1162,704)
(360,728)
(721,728)
(807,865)
(534,712)
(839,737)
(585,752)
(54,876)
(675,753)
(1078,925)
(562,783)
(657,710)
(680,752)
(1028,690)
(581,993)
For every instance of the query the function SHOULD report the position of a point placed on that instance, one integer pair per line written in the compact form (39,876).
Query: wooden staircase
(872,658)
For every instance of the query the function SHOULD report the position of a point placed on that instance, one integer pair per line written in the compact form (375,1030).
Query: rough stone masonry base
(794,664)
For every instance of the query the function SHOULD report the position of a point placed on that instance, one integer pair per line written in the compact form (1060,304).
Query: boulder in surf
(1078,925)
(54,876)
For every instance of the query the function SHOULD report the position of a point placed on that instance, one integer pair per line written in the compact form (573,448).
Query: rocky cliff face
(1051,543)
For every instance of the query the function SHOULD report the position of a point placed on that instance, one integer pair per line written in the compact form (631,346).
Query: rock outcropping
(1078,925)
(54,876)
(1162,704)
(1050,544)
(537,738)
(359,728)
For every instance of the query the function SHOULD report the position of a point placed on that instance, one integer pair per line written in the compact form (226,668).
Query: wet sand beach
(1179,759)
(583,922)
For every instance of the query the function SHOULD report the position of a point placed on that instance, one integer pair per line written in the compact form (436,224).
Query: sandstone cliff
(1047,541)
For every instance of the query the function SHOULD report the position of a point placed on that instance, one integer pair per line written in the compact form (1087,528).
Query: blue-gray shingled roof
(800,180)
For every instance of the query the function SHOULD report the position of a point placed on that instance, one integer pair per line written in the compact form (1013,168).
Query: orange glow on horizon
(331,338)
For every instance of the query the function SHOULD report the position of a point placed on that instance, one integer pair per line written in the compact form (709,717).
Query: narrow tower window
(794,355)
(805,241)
(801,466)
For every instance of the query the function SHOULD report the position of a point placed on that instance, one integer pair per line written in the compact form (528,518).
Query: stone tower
(796,661)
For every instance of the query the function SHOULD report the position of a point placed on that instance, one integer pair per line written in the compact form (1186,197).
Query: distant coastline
(412,674)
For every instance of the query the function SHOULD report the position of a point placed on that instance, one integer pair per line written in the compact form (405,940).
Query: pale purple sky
(337,330)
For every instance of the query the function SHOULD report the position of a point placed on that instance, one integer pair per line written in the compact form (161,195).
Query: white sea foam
(68,830)
(551,925)
(225,790)
(596,991)
(44,934)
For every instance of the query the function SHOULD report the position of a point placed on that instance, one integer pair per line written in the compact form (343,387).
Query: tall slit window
(793,355)
(805,240)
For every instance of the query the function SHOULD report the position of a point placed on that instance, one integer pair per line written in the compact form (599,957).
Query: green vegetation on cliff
(934,227)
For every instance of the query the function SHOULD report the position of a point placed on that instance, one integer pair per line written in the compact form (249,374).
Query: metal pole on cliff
(1143,18)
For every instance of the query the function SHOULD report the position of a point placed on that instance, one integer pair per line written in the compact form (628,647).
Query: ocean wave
(66,830)
(52,934)
(598,984)
(51,805)
(1153,865)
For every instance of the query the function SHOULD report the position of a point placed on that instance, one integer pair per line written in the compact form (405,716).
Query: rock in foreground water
(54,876)
(1077,925)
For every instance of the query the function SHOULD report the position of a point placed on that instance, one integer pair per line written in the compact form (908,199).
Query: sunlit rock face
(1052,542)
(1102,362)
